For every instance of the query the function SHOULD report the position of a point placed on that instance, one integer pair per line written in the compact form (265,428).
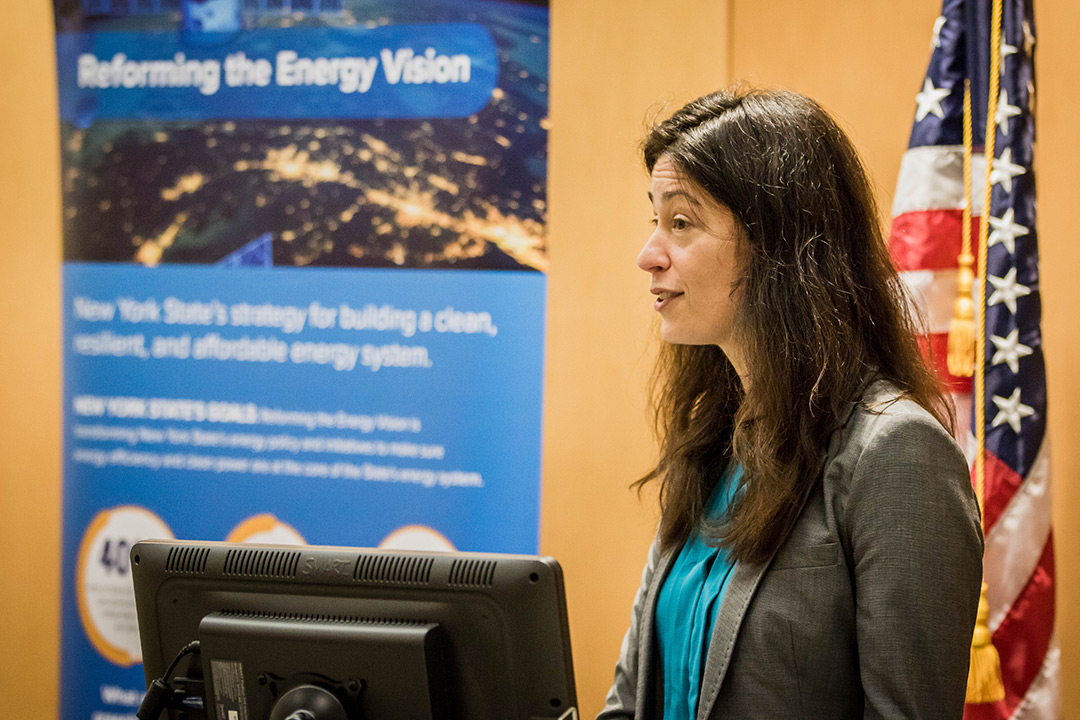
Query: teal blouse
(687,607)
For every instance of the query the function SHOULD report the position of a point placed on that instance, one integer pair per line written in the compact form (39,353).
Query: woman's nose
(652,257)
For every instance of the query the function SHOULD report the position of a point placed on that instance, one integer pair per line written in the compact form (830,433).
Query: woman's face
(694,260)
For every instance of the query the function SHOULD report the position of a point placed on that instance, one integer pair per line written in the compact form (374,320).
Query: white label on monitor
(229,695)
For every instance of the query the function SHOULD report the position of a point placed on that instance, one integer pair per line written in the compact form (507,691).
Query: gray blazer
(867,609)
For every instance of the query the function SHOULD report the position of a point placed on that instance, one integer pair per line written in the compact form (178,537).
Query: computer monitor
(322,633)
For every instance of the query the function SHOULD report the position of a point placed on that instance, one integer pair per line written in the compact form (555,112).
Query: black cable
(159,692)
(191,647)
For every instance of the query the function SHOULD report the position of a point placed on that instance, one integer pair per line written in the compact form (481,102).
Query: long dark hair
(821,313)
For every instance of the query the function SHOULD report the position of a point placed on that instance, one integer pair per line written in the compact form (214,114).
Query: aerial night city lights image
(418,192)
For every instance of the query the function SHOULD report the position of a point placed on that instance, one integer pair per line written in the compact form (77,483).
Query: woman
(819,550)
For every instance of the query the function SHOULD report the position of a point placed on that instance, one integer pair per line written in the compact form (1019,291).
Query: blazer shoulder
(891,445)
(886,419)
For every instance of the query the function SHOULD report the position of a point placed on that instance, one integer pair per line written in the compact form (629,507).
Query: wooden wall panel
(29,364)
(614,65)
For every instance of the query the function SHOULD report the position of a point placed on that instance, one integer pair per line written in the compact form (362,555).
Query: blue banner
(304,288)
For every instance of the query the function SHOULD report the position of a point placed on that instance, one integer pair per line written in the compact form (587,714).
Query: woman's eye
(679,223)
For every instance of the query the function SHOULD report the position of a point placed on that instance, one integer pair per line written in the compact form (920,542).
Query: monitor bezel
(519,600)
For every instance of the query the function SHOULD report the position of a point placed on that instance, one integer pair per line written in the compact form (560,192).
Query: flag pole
(984,674)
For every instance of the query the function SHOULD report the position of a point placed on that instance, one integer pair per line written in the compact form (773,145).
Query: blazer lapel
(745,579)
(649,672)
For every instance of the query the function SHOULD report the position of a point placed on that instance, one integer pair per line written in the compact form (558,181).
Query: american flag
(925,241)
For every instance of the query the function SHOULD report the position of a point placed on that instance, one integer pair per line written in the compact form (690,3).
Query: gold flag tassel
(984,674)
(961,348)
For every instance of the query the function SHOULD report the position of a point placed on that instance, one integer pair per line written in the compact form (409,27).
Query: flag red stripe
(1002,482)
(1022,640)
(928,239)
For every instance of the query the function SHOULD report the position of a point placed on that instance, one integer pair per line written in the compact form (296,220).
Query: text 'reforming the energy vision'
(400,66)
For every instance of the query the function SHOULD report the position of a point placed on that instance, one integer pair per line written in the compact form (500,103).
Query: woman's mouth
(664,297)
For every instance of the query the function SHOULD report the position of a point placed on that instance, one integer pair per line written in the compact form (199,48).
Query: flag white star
(1004,112)
(1009,350)
(1004,170)
(1029,39)
(1006,50)
(935,41)
(929,101)
(1006,290)
(1006,230)
(1010,410)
